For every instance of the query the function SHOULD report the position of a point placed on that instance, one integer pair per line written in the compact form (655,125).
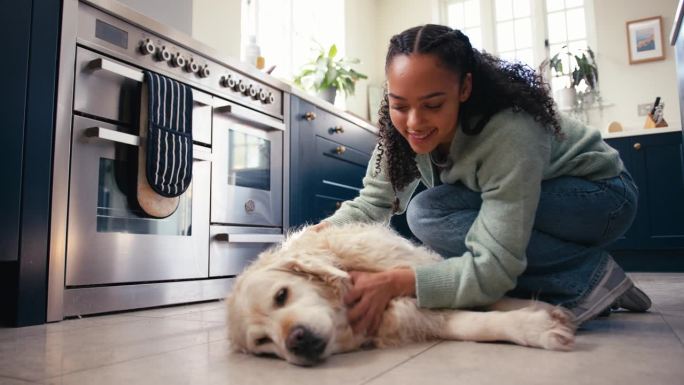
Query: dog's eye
(262,341)
(280,297)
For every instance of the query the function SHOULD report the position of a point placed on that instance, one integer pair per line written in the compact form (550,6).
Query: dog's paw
(551,329)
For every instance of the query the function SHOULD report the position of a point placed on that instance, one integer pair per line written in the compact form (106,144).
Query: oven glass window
(118,210)
(249,161)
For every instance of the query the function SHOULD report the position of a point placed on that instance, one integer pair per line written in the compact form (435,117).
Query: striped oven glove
(169,136)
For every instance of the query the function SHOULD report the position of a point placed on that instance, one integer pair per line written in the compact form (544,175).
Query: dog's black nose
(304,343)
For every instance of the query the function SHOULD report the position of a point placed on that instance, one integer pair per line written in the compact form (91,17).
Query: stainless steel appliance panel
(93,300)
(247,86)
(109,239)
(110,89)
(247,172)
(234,248)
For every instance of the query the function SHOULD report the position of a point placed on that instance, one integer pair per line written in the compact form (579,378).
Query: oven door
(247,170)
(110,239)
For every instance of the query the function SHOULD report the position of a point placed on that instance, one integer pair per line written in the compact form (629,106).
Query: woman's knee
(417,211)
(445,205)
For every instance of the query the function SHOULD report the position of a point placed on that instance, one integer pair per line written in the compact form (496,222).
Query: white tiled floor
(187,345)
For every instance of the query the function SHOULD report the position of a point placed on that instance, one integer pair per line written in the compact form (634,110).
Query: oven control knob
(178,60)
(263,96)
(191,66)
(204,72)
(245,91)
(228,81)
(270,99)
(163,54)
(147,47)
(254,92)
(239,87)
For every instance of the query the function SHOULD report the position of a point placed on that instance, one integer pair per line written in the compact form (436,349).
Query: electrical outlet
(644,108)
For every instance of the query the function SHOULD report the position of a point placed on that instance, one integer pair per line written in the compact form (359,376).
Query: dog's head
(289,304)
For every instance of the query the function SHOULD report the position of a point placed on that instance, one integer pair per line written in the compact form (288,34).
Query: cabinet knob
(340,149)
(337,130)
(637,146)
(310,116)
(338,205)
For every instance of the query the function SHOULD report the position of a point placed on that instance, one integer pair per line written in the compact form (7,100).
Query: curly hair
(497,85)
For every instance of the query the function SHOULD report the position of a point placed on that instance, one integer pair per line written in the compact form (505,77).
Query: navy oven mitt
(169,135)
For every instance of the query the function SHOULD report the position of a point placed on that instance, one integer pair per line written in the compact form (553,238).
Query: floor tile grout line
(129,360)
(69,330)
(671,328)
(400,363)
(135,319)
(19,379)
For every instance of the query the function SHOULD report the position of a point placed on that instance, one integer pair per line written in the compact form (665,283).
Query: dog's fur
(289,302)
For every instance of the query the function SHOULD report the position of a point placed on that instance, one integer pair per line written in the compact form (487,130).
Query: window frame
(540,46)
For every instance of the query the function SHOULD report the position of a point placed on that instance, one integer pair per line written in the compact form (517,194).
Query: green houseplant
(325,74)
(582,80)
(585,69)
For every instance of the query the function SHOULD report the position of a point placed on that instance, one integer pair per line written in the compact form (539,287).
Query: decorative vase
(328,94)
(588,98)
(566,98)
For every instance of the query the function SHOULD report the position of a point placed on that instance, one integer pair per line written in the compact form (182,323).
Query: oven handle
(249,115)
(250,238)
(198,152)
(129,73)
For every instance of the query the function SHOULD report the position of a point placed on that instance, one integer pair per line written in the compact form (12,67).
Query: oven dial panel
(229,83)
(144,49)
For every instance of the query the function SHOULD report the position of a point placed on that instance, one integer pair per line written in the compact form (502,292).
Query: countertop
(639,131)
(320,103)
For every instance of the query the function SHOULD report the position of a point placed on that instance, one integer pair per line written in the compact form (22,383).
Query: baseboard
(650,260)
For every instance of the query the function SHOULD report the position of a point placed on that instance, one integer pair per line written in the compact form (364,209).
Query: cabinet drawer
(330,126)
(337,163)
(232,248)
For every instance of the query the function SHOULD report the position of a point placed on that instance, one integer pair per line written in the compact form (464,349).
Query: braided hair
(497,85)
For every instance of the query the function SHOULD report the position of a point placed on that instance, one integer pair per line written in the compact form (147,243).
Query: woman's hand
(371,294)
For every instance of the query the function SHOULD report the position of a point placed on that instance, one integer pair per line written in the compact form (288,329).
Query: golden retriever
(289,301)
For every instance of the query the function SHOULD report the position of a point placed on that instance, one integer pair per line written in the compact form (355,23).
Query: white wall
(217,24)
(394,17)
(626,85)
(179,16)
(360,41)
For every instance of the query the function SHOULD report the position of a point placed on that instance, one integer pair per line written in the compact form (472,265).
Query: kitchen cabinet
(328,160)
(30,31)
(329,157)
(655,162)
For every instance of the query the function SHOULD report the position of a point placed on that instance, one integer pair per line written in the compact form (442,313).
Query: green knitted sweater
(506,163)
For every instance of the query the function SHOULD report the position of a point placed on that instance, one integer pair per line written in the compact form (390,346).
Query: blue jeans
(575,219)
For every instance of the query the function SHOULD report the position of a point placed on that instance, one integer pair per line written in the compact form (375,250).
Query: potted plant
(582,80)
(326,75)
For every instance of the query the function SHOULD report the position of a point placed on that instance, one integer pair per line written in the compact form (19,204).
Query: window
(567,32)
(517,30)
(287,30)
(466,16)
(514,31)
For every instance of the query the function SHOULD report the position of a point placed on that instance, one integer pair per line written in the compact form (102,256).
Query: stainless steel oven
(106,253)
(247,174)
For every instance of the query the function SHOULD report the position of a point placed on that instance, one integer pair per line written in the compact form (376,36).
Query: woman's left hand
(371,294)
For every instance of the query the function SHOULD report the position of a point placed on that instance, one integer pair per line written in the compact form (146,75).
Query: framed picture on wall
(645,40)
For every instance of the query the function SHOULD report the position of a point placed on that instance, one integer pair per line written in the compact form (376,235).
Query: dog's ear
(317,267)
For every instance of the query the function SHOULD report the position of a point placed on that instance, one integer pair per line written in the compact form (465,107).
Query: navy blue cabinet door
(655,162)
(328,160)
